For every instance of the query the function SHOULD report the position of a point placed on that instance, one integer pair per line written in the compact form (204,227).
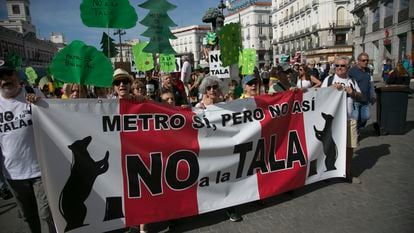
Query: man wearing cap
(250,86)
(19,161)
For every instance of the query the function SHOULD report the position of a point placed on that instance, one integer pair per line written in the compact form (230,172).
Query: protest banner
(216,67)
(139,163)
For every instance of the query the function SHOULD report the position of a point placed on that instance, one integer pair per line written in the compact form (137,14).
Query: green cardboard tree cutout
(82,64)
(158,23)
(108,14)
(247,61)
(167,62)
(230,43)
(31,75)
(13,59)
(108,46)
(143,61)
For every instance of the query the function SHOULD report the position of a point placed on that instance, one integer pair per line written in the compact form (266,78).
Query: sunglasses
(301,69)
(251,83)
(75,90)
(338,65)
(215,87)
(118,82)
(364,60)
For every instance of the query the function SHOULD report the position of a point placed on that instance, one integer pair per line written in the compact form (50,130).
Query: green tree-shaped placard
(108,14)
(143,61)
(158,23)
(230,43)
(167,62)
(13,59)
(247,61)
(108,46)
(31,75)
(82,64)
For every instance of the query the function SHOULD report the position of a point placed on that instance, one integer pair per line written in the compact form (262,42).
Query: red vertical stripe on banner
(155,154)
(282,128)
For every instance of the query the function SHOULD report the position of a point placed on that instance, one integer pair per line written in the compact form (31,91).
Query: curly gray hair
(208,81)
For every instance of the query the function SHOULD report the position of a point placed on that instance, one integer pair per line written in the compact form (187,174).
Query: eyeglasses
(251,83)
(215,87)
(364,60)
(168,98)
(339,65)
(74,90)
(118,82)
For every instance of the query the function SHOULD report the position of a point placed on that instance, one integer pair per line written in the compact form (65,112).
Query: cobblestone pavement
(383,203)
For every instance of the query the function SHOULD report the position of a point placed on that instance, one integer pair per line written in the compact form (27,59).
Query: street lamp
(120,32)
(221,6)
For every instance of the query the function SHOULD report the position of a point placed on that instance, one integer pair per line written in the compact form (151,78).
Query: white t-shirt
(303,83)
(19,160)
(186,72)
(345,82)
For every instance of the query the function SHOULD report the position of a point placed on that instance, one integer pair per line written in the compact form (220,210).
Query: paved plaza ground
(383,203)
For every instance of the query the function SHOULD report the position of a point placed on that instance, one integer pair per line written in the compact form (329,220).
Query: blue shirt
(363,78)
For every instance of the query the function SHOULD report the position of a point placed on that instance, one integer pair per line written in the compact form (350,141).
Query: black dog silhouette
(329,146)
(79,185)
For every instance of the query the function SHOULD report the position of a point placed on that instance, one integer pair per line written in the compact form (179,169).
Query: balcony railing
(388,21)
(340,24)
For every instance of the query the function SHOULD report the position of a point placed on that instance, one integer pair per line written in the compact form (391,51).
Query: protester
(362,76)
(122,86)
(306,81)
(250,87)
(167,97)
(342,82)
(279,80)
(168,85)
(138,88)
(101,92)
(77,91)
(193,88)
(152,86)
(19,160)
(211,90)
(65,91)
(186,74)
(313,71)
(399,75)
(386,70)
(265,76)
(235,88)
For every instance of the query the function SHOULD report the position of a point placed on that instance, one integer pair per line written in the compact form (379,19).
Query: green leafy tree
(158,23)
(82,64)
(108,14)
(108,46)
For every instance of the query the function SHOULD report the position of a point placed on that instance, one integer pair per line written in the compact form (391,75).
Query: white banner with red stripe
(108,164)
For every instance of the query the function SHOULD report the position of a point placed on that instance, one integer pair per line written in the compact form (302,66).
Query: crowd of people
(186,89)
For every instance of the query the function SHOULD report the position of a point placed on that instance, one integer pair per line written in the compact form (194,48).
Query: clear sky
(64,16)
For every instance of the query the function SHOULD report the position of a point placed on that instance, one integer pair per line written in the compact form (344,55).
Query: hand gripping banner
(108,164)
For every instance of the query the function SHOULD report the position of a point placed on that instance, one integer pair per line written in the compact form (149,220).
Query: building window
(16,9)
(27,10)
(340,39)
(376,14)
(404,4)
(389,9)
(340,16)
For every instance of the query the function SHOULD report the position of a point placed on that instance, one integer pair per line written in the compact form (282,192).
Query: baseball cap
(285,66)
(5,69)
(248,78)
